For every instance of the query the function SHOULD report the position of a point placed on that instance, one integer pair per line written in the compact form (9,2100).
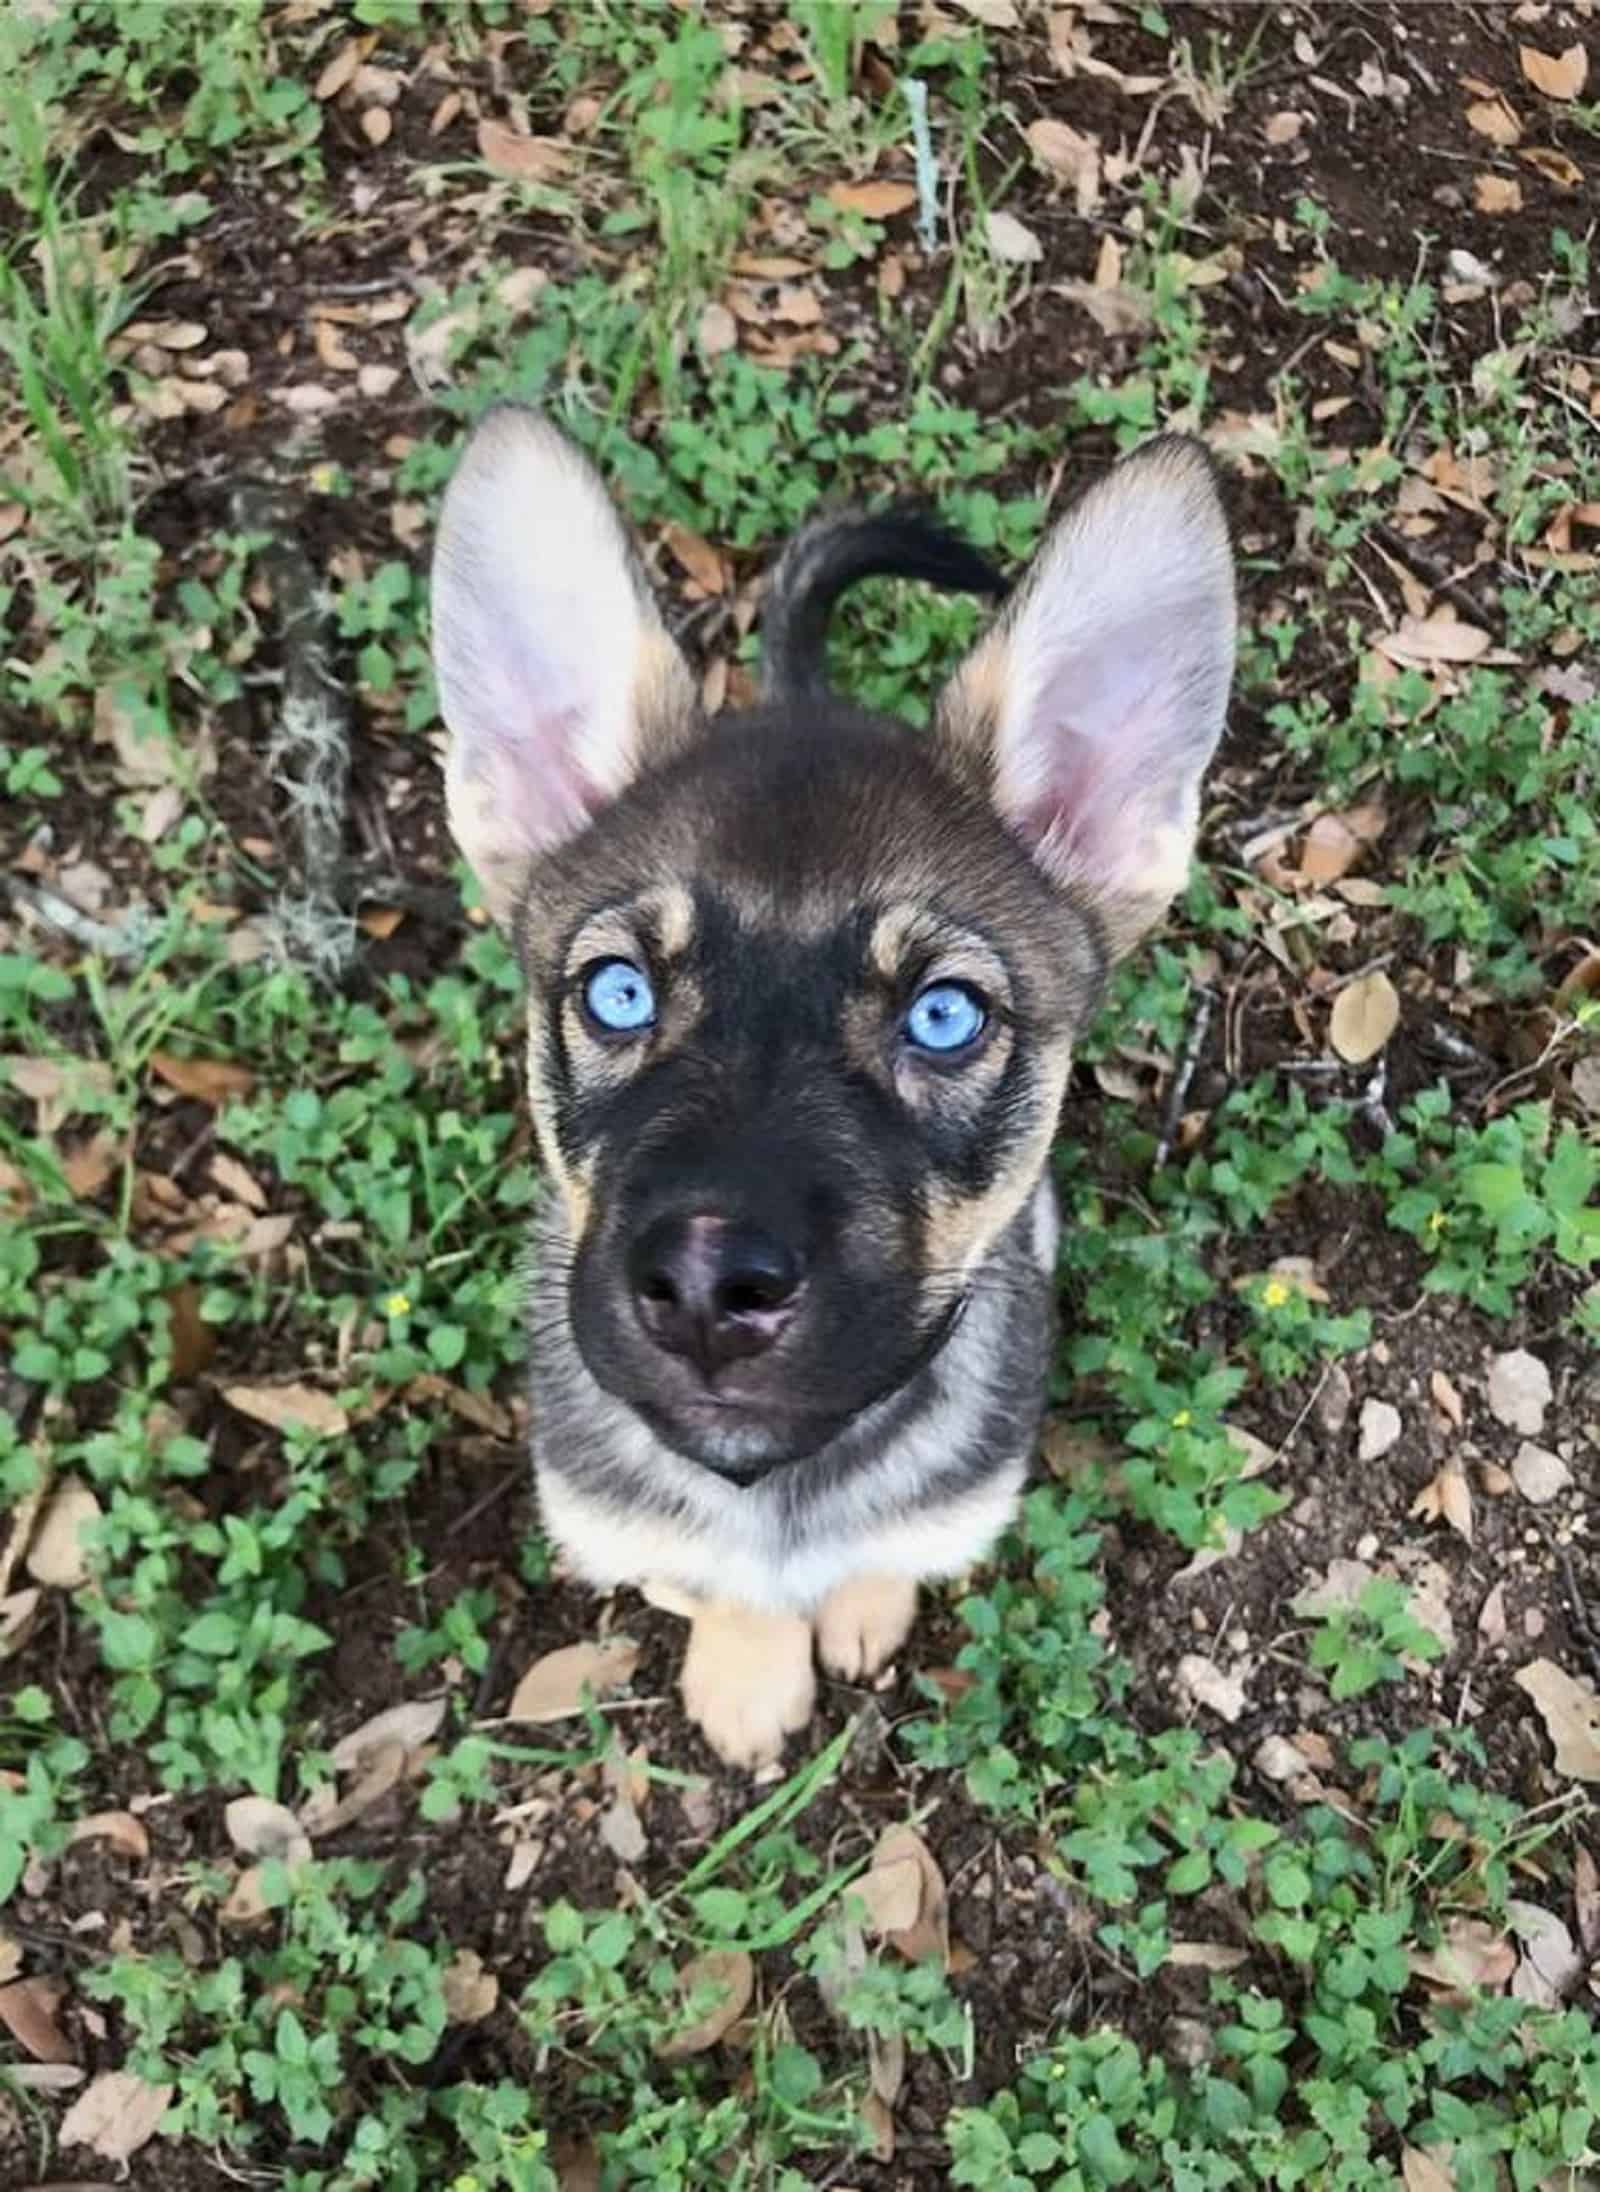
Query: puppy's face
(803,985)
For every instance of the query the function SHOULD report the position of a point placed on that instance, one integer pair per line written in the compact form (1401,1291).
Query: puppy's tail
(831,554)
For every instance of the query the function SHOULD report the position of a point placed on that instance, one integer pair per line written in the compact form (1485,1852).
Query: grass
(340,1210)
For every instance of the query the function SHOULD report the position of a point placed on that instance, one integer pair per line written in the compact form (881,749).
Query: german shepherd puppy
(803,987)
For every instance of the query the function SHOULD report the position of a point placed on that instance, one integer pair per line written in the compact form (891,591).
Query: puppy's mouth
(744,1435)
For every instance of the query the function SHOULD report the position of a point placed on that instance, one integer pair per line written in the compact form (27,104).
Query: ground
(1231,1828)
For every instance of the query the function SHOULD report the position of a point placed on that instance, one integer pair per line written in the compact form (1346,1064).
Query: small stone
(1367,1547)
(1205,1682)
(1519,1391)
(1333,1403)
(1380,1430)
(1277,1759)
(1540,1475)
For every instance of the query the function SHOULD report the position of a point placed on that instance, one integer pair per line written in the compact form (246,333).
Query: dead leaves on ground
(1570,1711)
(556,1685)
(1365,1014)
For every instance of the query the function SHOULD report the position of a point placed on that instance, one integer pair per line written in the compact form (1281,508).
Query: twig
(1438,580)
(1173,1109)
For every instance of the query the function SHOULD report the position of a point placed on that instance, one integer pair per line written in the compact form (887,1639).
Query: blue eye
(618,997)
(946,1017)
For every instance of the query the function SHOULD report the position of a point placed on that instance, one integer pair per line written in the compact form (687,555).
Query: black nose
(712,1289)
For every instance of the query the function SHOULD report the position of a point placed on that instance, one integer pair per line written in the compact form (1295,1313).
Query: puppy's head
(804,983)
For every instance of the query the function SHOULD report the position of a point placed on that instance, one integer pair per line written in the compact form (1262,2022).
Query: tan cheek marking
(891,933)
(574,1182)
(962,1229)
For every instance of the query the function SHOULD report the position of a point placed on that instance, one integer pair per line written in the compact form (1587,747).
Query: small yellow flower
(1182,1420)
(398,1305)
(1274,1294)
(323,478)
(1437,1221)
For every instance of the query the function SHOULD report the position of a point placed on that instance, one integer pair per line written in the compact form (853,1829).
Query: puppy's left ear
(1090,710)
(557,679)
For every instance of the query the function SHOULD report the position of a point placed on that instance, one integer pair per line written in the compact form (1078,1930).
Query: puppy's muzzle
(713,1290)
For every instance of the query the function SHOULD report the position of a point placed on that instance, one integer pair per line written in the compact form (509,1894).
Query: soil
(1389,167)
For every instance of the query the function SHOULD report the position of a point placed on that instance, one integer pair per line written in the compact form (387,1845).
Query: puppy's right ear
(557,679)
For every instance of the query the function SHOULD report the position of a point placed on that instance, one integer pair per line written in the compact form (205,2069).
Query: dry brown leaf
(1205,1956)
(384,1769)
(289,1407)
(1365,1014)
(470,1993)
(873,201)
(57,1087)
(233,1179)
(1446,1398)
(1586,1898)
(377,125)
(892,1894)
(992,14)
(1424,2172)
(414,1723)
(798,306)
(246,1902)
(1331,848)
(1115,311)
(88,1165)
(1011,240)
(928,1933)
(1550,1964)
(57,1557)
(193,1341)
(1283,127)
(696,556)
(1497,193)
(1069,155)
(341,69)
(120,1828)
(1421,640)
(1471,1954)
(207,1080)
(28,2012)
(1554,166)
(1495,119)
(732,1973)
(18,1611)
(1492,1616)
(526,159)
(258,1827)
(10,1959)
(1557,75)
(1447,1497)
(717,331)
(115,2115)
(1571,1715)
(554,1686)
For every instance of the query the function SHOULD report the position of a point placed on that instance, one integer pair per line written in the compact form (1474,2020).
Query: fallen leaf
(1556,167)
(525,159)
(993,14)
(1069,155)
(1421,640)
(1494,119)
(623,1831)
(340,70)
(1012,240)
(377,125)
(554,1686)
(717,331)
(1446,1399)
(1492,1616)
(732,1973)
(1497,194)
(1339,1591)
(1205,1956)
(246,1902)
(1365,1014)
(28,2012)
(289,1408)
(1519,1391)
(58,1087)
(873,201)
(120,1828)
(1283,127)
(1551,1963)
(892,1894)
(697,557)
(208,1080)
(1557,75)
(1379,1429)
(1204,1681)
(114,2115)
(1424,2172)
(928,1933)
(470,1993)
(193,1342)
(1446,1497)
(1586,1898)
(57,1558)
(18,1611)
(1571,1715)
(1331,848)
(1471,1954)
(1539,1475)
(258,1827)
(1118,310)
(414,1723)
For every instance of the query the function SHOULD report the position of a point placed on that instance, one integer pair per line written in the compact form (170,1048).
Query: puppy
(803,985)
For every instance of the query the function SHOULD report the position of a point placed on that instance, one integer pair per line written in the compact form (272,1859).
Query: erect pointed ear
(556,677)
(1091,708)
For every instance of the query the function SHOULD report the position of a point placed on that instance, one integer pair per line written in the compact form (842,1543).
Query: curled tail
(831,554)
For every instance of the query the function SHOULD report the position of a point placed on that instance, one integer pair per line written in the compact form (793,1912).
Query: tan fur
(961,1229)
(748,1680)
(862,1624)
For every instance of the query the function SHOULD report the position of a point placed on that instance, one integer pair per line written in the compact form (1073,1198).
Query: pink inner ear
(540,790)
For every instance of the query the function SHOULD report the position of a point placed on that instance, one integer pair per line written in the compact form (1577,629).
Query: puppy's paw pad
(862,1624)
(748,1682)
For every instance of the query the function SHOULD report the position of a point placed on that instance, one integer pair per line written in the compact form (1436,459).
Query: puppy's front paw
(862,1624)
(748,1680)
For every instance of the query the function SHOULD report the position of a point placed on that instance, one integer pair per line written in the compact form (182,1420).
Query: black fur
(833,553)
